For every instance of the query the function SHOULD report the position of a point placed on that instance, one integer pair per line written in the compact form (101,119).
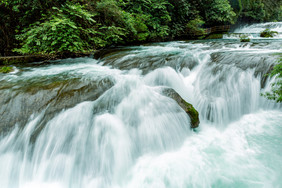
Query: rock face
(19,103)
(9,60)
(187,107)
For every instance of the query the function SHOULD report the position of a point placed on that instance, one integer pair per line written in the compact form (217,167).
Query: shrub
(5,69)
(195,26)
(218,12)
(153,18)
(276,90)
(62,30)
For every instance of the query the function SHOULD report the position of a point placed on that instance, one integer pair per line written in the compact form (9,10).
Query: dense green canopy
(57,26)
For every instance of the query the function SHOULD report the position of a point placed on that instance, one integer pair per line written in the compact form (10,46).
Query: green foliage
(193,114)
(276,90)
(109,11)
(268,34)
(182,12)
(5,69)
(254,10)
(258,10)
(112,34)
(218,12)
(236,5)
(195,26)
(4,2)
(62,30)
(136,29)
(59,26)
(244,38)
(155,17)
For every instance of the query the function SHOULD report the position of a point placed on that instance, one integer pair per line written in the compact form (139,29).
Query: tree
(217,12)
(69,29)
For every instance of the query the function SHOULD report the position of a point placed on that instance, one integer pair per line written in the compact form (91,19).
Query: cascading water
(253,31)
(257,28)
(105,123)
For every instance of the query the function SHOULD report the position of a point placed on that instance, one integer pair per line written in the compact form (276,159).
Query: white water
(253,31)
(257,28)
(133,136)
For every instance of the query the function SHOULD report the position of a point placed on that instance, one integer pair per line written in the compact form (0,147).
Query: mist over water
(106,123)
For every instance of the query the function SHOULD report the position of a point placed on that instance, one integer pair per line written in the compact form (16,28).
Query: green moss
(188,108)
(5,69)
(268,34)
(244,38)
(193,114)
(277,54)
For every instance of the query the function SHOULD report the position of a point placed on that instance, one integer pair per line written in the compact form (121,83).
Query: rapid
(105,123)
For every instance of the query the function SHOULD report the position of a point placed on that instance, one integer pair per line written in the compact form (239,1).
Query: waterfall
(257,28)
(105,123)
(253,31)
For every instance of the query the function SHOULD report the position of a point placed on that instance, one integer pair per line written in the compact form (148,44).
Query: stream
(105,123)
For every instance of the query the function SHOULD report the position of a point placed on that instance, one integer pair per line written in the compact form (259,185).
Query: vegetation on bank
(257,10)
(5,69)
(57,26)
(276,90)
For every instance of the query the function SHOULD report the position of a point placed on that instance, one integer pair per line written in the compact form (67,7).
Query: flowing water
(253,31)
(100,123)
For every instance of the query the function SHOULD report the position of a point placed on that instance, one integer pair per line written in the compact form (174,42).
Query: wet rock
(9,60)
(187,107)
(146,61)
(18,104)
(261,63)
(21,59)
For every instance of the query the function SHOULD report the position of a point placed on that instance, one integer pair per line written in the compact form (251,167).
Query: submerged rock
(187,107)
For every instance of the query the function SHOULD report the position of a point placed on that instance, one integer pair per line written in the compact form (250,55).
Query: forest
(58,26)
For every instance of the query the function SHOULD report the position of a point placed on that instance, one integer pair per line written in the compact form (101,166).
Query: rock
(17,104)
(187,107)
(267,33)
(21,59)
(24,59)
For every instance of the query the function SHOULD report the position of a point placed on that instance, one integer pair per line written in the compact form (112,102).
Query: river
(104,123)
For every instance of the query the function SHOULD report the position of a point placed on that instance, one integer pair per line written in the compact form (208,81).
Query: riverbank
(10,60)
(19,59)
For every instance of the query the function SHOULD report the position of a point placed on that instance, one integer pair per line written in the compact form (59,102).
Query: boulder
(17,104)
(187,107)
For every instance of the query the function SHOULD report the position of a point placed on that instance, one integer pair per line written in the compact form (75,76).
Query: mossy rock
(187,107)
(192,112)
(267,33)
(244,38)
